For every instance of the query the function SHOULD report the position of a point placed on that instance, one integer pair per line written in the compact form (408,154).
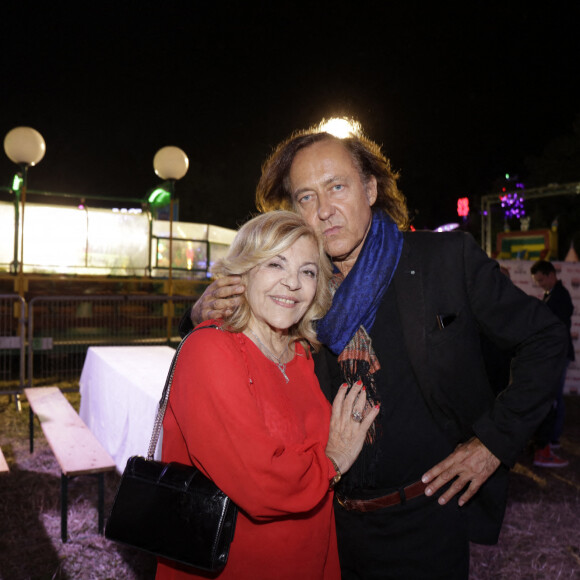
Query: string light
(513,205)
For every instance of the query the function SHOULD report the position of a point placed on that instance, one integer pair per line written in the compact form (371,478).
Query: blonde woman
(247,409)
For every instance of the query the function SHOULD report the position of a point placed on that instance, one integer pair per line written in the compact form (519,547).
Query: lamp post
(25,147)
(170,163)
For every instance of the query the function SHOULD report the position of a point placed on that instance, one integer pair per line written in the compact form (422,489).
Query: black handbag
(172,510)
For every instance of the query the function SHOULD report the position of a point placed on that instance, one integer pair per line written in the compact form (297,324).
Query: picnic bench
(75,448)
(3,464)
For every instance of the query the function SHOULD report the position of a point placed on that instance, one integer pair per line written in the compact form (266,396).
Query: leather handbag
(172,510)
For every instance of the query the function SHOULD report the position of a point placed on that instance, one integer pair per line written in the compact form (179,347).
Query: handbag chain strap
(165,396)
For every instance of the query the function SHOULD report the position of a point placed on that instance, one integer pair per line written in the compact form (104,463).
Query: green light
(17,182)
(507,175)
(159,197)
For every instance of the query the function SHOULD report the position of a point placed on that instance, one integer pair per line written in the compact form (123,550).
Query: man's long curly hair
(273,190)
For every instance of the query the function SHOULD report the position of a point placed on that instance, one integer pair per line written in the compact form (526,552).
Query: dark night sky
(458,93)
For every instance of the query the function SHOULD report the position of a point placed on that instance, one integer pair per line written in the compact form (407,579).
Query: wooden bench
(74,446)
(3,464)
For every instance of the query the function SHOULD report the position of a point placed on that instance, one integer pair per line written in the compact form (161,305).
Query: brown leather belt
(370,505)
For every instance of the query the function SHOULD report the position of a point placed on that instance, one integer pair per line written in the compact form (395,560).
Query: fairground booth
(508,237)
(78,271)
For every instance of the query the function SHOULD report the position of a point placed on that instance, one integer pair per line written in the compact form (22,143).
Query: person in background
(558,300)
(406,317)
(246,408)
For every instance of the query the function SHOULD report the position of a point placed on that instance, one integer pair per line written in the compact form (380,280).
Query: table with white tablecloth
(120,389)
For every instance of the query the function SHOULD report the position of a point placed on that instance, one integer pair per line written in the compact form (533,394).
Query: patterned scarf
(356,299)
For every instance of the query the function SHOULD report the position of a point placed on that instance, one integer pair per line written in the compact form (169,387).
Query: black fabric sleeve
(513,320)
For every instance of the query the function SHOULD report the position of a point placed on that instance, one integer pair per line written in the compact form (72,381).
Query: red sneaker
(545,457)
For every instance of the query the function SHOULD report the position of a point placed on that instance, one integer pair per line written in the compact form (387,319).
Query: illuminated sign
(463,207)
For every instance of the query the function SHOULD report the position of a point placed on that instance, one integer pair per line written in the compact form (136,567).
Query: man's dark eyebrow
(299,191)
(325,183)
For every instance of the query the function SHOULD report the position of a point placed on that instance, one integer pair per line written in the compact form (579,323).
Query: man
(406,318)
(558,300)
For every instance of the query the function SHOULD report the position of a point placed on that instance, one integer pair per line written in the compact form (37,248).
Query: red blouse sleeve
(214,420)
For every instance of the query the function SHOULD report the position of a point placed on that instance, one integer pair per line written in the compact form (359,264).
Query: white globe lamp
(170,163)
(24,146)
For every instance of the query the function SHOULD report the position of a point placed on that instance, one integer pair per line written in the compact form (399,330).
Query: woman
(246,408)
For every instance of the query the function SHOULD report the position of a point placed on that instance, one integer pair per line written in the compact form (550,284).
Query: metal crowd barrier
(12,344)
(62,328)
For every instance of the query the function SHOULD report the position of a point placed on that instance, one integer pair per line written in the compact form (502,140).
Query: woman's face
(280,290)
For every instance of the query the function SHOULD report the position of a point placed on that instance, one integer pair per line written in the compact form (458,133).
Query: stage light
(341,127)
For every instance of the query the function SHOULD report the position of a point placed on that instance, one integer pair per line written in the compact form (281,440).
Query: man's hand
(471,464)
(219,299)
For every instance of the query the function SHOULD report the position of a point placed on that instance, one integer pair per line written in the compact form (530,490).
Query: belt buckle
(341,501)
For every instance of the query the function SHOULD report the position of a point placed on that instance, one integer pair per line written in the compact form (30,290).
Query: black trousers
(420,540)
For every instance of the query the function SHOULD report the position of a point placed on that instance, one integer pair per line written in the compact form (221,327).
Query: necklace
(275,359)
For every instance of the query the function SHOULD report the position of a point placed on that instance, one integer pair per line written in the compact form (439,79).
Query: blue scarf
(359,295)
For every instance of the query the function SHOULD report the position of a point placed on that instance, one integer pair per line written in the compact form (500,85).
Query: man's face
(545,281)
(328,192)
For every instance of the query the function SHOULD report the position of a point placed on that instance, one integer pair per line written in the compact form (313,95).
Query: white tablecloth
(120,389)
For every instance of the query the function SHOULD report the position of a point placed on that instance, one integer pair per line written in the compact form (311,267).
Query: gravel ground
(540,538)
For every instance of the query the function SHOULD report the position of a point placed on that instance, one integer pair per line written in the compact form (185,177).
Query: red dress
(262,440)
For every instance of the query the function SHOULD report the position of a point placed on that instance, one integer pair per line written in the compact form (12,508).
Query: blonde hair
(263,238)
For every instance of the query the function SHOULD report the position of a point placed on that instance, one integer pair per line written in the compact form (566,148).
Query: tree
(559,162)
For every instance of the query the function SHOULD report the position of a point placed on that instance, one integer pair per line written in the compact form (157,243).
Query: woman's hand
(347,432)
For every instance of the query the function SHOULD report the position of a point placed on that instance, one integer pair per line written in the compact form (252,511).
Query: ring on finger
(357,416)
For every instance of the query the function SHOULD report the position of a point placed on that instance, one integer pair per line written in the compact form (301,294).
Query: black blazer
(448,275)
